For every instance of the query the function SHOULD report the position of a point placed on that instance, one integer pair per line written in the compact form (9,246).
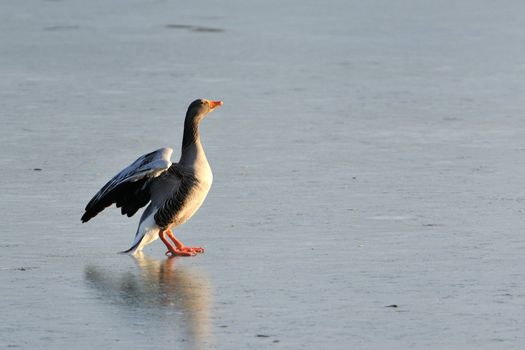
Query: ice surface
(368,154)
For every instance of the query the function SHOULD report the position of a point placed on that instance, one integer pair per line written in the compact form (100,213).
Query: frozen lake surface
(369,154)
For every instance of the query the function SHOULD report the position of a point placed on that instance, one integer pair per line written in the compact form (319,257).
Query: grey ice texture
(368,154)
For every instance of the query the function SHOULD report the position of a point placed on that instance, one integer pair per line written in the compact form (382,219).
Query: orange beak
(215,104)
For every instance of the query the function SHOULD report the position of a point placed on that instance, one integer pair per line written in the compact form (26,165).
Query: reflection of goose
(176,190)
(178,296)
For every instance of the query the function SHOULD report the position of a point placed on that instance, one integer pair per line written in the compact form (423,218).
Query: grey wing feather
(129,189)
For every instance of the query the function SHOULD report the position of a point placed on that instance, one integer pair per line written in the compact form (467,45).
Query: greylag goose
(175,190)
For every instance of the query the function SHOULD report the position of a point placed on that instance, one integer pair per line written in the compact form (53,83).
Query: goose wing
(129,189)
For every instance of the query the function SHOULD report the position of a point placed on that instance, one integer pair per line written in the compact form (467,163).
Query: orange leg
(179,249)
(171,249)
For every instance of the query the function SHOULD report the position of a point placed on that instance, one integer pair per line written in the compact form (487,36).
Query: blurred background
(368,165)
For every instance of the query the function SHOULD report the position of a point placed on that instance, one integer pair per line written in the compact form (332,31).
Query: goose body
(175,191)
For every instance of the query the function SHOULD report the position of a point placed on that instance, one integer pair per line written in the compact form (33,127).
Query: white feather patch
(147,232)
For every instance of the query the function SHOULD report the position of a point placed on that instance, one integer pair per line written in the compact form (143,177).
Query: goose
(175,191)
